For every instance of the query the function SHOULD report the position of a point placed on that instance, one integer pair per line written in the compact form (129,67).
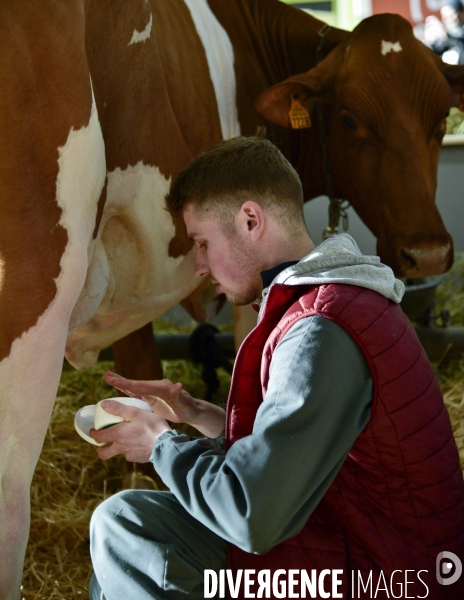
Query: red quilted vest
(398,500)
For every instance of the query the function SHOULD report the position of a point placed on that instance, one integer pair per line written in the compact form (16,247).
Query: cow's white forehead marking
(142,36)
(390,47)
(220,57)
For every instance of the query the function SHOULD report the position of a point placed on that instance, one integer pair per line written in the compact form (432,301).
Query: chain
(321,33)
(338,208)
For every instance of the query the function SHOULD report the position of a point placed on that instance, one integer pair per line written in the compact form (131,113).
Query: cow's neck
(271,42)
(290,38)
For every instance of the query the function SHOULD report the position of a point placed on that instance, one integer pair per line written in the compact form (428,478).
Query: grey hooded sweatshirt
(317,402)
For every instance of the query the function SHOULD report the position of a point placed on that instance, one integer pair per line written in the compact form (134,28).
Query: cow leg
(24,420)
(53,169)
(136,355)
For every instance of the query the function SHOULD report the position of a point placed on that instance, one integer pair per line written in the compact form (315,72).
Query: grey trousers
(146,546)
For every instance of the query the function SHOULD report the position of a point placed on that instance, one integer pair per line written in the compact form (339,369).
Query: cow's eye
(349,121)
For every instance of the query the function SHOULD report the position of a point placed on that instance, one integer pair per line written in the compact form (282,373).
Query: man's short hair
(223,177)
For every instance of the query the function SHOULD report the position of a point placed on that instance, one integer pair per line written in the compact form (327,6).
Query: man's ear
(252,219)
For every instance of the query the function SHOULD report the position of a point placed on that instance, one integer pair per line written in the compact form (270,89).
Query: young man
(338,450)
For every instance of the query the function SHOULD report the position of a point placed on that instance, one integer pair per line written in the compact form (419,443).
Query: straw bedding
(70,480)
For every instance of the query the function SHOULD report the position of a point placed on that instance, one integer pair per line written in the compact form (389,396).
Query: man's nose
(201,267)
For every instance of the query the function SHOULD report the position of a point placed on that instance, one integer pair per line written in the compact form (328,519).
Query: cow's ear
(455,77)
(275,102)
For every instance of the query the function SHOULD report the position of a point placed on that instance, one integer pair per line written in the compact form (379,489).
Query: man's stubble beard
(250,273)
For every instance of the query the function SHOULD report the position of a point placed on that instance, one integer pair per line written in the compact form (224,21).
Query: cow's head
(385,97)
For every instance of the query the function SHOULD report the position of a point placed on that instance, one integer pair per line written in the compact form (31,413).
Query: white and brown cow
(103,102)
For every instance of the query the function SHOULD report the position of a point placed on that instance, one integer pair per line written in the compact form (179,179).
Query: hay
(70,480)
(449,297)
(455,121)
(451,378)
(450,292)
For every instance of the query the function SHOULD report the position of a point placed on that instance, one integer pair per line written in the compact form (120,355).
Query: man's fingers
(111,436)
(134,439)
(174,392)
(101,436)
(138,387)
(106,452)
(131,394)
(113,407)
(132,386)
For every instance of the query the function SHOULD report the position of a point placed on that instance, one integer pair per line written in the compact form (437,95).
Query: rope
(338,207)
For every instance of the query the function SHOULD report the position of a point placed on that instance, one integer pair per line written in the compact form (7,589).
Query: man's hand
(135,437)
(170,401)
(166,399)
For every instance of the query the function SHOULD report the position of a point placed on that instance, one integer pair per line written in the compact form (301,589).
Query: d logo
(449,568)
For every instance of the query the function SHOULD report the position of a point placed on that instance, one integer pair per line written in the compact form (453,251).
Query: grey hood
(339,260)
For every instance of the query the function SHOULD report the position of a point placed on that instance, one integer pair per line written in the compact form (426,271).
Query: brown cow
(373,116)
(102,102)
(385,97)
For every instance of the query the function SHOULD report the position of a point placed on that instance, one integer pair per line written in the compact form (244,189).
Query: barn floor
(70,480)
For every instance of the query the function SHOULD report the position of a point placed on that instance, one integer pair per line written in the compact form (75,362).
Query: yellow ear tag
(299,116)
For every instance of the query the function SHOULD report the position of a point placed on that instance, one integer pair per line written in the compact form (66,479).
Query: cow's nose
(425,261)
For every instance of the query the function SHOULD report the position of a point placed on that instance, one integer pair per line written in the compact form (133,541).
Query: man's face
(225,258)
